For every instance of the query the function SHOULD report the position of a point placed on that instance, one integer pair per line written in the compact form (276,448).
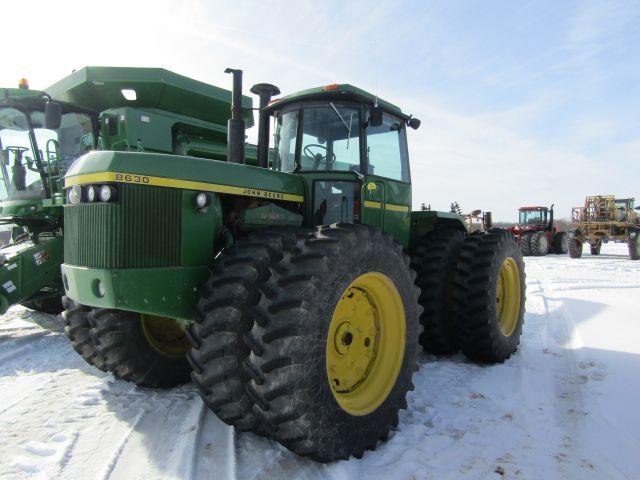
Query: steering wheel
(318,157)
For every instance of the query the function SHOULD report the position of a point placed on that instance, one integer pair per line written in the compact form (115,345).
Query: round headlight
(92,193)
(106,193)
(201,200)
(74,194)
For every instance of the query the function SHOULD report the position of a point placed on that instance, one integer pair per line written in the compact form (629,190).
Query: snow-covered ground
(565,406)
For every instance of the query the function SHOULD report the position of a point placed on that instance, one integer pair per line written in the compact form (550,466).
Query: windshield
(21,177)
(533,217)
(330,139)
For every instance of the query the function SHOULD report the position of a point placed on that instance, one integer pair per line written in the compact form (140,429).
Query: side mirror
(52,115)
(638,208)
(414,123)
(375,116)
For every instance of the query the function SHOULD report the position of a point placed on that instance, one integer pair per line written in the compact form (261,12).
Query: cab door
(373,202)
(387,188)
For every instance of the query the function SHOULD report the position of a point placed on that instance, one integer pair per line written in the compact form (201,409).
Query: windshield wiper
(348,127)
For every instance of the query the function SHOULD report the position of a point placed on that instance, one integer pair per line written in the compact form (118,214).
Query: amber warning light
(333,86)
(23,83)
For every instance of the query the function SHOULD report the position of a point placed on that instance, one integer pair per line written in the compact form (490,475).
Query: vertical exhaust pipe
(235,125)
(265,91)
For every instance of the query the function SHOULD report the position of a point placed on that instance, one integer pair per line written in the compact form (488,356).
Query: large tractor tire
(634,245)
(225,315)
(575,247)
(489,296)
(539,244)
(52,306)
(334,346)
(525,244)
(595,248)
(146,350)
(77,328)
(433,260)
(560,243)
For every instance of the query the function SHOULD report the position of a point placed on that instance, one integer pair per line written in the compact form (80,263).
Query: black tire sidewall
(507,343)
(352,428)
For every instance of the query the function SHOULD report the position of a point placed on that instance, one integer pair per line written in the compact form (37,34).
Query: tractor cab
(351,150)
(37,145)
(533,216)
(624,209)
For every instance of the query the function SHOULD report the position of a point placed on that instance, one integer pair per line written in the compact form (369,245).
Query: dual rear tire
(475,301)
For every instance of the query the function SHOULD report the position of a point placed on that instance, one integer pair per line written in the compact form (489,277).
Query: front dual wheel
(309,337)
(144,349)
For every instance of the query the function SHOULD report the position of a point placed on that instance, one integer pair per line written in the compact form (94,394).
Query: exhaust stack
(265,91)
(235,125)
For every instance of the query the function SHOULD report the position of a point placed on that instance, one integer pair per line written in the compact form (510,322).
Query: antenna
(375,74)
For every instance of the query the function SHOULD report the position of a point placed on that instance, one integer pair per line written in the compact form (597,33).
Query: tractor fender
(423,222)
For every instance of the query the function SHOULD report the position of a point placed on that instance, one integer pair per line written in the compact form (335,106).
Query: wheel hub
(365,343)
(165,335)
(354,340)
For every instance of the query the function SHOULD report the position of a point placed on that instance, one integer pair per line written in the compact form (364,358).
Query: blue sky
(521,102)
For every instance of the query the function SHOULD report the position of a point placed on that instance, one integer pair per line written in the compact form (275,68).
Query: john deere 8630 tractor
(43,132)
(295,293)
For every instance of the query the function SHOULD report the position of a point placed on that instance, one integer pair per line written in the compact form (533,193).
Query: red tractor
(536,232)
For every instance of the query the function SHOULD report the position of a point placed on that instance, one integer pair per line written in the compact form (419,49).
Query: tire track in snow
(115,455)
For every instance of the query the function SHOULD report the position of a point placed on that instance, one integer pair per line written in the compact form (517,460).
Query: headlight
(92,193)
(74,194)
(202,200)
(107,193)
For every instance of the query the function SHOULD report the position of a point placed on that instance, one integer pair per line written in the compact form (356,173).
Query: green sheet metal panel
(100,88)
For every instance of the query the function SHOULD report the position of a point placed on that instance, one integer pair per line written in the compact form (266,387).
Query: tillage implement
(295,293)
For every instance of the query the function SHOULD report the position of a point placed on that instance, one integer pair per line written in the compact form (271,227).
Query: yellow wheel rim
(165,335)
(508,296)
(365,343)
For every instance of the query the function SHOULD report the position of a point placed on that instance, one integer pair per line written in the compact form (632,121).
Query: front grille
(140,230)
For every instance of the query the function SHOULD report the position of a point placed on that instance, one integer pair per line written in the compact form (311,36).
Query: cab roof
(101,88)
(337,91)
(532,208)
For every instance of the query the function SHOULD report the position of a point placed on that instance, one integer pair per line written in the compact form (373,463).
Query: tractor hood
(188,173)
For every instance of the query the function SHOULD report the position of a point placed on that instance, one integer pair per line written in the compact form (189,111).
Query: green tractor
(296,293)
(95,108)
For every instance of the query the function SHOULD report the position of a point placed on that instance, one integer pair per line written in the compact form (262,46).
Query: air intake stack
(265,91)
(235,125)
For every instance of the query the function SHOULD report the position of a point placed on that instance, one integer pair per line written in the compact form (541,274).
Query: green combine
(38,141)
(295,293)
(96,108)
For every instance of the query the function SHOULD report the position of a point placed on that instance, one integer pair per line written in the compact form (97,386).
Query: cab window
(330,139)
(387,150)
